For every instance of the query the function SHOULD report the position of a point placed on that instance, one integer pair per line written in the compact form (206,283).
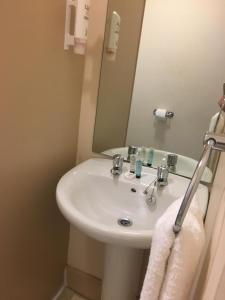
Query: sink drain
(125,222)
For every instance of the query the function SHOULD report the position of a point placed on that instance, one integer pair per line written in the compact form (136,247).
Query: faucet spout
(162,174)
(117,164)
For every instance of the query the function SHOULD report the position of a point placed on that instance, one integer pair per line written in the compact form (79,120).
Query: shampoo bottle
(143,154)
(138,165)
(132,163)
(150,157)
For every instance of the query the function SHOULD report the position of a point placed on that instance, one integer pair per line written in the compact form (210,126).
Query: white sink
(93,200)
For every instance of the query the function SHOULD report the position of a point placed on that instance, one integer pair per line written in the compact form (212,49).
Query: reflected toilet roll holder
(163,113)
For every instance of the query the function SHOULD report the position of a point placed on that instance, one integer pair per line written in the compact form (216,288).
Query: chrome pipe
(219,140)
(193,185)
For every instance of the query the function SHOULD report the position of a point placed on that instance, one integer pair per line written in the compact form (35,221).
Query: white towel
(174,259)
(213,121)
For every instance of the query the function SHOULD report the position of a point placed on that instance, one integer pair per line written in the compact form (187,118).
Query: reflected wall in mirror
(170,56)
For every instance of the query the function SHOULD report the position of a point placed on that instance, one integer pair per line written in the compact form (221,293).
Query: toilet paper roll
(160,113)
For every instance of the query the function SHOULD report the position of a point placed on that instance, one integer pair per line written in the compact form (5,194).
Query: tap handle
(172,159)
(117,161)
(162,175)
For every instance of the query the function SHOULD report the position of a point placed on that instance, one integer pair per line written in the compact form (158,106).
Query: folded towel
(174,259)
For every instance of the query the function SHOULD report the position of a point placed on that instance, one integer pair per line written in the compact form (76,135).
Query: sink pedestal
(122,271)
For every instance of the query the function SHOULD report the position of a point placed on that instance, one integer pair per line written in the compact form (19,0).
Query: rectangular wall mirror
(168,56)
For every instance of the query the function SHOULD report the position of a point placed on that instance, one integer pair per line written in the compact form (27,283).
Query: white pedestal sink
(93,200)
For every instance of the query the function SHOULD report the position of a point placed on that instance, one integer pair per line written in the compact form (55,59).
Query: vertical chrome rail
(193,185)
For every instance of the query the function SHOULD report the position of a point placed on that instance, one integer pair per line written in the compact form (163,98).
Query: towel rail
(211,141)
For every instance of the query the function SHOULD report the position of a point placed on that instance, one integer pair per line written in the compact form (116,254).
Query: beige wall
(117,77)
(86,254)
(213,223)
(91,79)
(214,287)
(40,87)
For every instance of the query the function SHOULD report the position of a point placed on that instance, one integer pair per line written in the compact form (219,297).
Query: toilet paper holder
(167,114)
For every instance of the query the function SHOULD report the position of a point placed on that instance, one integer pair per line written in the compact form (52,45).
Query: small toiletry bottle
(138,165)
(143,155)
(150,157)
(132,163)
(131,150)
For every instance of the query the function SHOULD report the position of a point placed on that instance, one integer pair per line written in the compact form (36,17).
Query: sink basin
(93,200)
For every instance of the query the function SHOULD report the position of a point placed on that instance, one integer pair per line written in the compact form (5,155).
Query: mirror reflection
(162,73)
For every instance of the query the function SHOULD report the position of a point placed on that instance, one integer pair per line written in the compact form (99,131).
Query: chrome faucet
(117,164)
(162,175)
(161,178)
(172,162)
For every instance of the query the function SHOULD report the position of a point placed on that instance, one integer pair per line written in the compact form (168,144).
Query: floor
(68,294)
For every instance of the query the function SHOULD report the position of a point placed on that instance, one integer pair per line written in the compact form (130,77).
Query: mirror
(170,58)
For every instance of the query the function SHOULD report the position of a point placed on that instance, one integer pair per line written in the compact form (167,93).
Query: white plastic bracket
(69,39)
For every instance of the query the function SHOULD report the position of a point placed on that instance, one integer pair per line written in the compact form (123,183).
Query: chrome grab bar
(211,141)
(219,140)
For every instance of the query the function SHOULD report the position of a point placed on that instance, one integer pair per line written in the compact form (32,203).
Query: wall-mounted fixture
(78,38)
(114,33)
(163,113)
